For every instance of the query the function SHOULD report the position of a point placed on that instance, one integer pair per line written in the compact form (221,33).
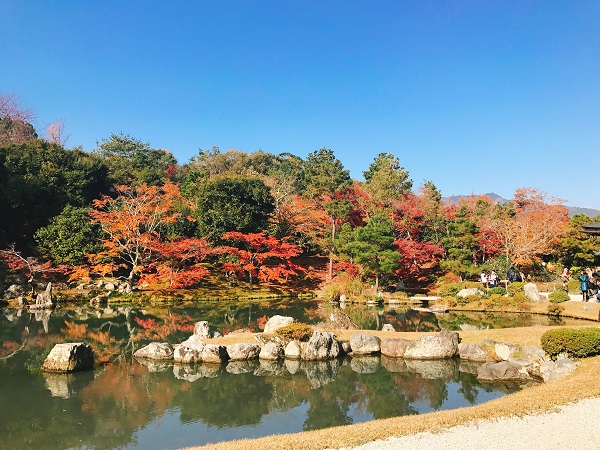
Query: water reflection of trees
(105,408)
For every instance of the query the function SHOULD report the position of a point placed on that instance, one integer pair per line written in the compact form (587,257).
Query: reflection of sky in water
(168,431)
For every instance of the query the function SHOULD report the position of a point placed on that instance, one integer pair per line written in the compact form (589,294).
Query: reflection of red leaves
(74,331)
(146,324)
(154,330)
(261,321)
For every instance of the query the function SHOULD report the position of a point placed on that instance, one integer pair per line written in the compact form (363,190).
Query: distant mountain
(590,212)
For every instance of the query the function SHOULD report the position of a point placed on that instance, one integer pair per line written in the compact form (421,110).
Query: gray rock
(187,355)
(472,351)
(345,348)
(321,345)
(531,293)
(469,291)
(276,322)
(201,330)
(156,350)
(44,299)
(502,371)
(69,357)
(212,353)
(293,350)
(433,346)
(271,351)
(340,320)
(242,351)
(556,370)
(533,352)
(365,344)
(195,342)
(394,347)
(15,290)
(505,351)
(388,327)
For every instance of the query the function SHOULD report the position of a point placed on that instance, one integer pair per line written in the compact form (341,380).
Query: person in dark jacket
(584,283)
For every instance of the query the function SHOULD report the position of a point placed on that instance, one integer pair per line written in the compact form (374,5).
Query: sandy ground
(569,427)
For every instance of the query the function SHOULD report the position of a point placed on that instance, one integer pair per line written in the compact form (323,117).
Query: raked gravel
(571,427)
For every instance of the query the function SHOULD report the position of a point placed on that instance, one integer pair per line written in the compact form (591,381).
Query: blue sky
(476,96)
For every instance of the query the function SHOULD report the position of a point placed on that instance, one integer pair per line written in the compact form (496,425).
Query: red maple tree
(260,256)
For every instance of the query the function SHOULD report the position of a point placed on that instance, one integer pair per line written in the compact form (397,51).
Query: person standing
(584,282)
(565,276)
(484,279)
(493,279)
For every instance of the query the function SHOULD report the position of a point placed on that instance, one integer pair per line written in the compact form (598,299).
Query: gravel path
(571,427)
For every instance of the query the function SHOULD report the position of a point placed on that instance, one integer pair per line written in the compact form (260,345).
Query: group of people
(589,282)
(489,281)
(492,279)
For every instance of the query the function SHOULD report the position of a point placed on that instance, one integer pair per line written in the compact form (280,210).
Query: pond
(133,405)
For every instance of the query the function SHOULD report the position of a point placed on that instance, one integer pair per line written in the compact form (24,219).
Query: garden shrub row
(578,343)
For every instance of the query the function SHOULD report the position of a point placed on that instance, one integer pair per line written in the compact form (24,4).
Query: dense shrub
(515,287)
(295,331)
(450,301)
(555,310)
(578,343)
(446,290)
(498,290)
(559,297)
(468,299)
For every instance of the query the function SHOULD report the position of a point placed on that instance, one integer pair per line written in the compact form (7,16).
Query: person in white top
(484,279)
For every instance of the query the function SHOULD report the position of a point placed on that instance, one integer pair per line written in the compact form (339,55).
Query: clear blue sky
(476,96)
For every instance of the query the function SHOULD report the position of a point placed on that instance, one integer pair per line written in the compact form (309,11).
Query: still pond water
(161,406)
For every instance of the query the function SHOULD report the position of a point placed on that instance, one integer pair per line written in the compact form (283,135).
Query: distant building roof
(592,228)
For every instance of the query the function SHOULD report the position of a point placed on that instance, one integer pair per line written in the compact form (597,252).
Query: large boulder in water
(242,351)
(321,345)
(365,344)
(434,346)
(156,350)
(70,357)
(276,322)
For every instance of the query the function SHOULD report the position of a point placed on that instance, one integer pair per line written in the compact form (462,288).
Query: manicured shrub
(468,299)
(555,309)
(452,289)
(578,343)
(518,298)
(295,331)
(498,290)
(450,301)
(515,287)
(559,297)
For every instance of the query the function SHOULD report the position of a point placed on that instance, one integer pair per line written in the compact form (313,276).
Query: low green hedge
(578,343)
(559,297)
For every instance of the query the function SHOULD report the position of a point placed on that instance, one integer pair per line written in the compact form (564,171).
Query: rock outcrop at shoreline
(497,359)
